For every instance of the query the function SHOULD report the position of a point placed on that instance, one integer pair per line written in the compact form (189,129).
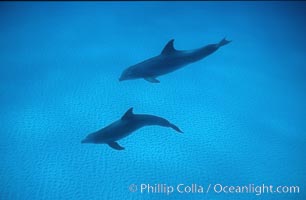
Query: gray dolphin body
(168,61)
(128,123)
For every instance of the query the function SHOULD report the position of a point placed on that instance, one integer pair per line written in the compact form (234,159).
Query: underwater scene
(153,100)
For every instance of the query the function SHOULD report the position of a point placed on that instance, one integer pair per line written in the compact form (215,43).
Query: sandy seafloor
(242,109)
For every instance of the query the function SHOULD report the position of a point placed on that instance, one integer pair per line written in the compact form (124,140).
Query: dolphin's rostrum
(168,61)
(123,127)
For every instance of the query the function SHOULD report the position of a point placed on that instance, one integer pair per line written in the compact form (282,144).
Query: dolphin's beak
(122,79)
(85,141)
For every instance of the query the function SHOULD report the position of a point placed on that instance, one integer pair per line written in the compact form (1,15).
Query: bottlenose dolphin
(128,123)
(168,61)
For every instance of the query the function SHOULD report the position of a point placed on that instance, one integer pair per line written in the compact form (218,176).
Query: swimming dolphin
(128,123)
(168,61)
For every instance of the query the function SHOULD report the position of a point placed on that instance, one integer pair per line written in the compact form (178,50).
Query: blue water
(242,109)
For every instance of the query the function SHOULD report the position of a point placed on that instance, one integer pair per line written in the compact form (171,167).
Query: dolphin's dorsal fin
(128,114)
(168,49)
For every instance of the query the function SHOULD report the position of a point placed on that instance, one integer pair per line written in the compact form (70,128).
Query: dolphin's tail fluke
(151,120)
(223,42)
(176,128)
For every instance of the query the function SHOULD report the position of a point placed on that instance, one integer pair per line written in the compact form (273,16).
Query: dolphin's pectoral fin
(152,80)
(115,145)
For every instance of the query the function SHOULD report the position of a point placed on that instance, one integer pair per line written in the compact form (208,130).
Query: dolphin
(125,126)
(168,61)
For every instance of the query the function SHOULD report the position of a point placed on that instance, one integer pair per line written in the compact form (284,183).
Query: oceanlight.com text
(167,189)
